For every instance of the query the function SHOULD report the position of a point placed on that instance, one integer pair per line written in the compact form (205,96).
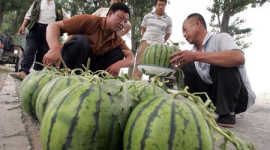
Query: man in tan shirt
(94,37)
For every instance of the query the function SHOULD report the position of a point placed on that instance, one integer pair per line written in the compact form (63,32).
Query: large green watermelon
(29,91)
(164,123)
(80,118)
(158,55)
(53,88)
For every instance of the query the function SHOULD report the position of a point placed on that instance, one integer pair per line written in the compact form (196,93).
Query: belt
(41,24)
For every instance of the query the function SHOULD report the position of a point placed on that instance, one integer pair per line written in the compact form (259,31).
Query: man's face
(116,21)
(160,7)
(189,30)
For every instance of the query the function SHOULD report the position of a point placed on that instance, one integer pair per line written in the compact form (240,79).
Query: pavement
(252,126)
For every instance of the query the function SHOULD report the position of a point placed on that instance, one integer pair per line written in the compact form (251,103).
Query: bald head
(197,17)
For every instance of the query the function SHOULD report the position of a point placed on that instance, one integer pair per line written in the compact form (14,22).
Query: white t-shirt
(217,43)
(47,12)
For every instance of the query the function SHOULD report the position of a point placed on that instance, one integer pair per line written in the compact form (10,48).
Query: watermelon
(80,118)
(164,123)
(144,90)
(158,55)
(32,74)
(30,90)
(53,88)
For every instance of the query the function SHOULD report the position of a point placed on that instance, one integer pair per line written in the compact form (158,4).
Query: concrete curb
(12,130)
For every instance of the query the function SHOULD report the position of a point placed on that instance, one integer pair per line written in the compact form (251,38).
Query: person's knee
(116,54)
(78,40)
(80,37)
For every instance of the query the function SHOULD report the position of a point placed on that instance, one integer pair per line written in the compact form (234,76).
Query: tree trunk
(2,10)
(225,21)
(133,41)
(226,16)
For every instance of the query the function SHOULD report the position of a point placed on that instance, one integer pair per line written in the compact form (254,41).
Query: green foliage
(124,102)
(223,10)
(76,7)
(12,14)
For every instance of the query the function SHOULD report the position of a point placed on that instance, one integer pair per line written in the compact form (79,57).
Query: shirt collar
(205,40)
(207,37)
(164,15)
(103,27)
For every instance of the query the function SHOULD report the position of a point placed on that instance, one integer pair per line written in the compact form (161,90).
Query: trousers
(228,91)
(36,48)
(77,50)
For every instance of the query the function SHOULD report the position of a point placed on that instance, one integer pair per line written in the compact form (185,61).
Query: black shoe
(227,120)
(170,83)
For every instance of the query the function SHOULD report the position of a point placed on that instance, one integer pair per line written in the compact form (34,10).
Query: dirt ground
(31,125)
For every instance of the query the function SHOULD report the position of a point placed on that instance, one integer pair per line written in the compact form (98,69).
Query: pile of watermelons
(96,111)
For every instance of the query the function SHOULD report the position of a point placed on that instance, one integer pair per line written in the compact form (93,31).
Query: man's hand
(180,58)
(52,57)
(114,69)
(21,30)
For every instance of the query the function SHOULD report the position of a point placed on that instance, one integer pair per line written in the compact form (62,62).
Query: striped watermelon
(80,118)
(30,90)
(164,123)
(158,55)
(144,90)
(32,74)
(53,88)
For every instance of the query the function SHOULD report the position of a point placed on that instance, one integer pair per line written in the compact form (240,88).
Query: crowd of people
(215,64)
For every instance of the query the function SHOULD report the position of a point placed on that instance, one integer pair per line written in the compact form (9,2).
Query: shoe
(20,76)
(170,83)
(227,120)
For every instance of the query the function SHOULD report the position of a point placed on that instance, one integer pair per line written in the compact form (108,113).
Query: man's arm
(114,69)
(24,25)
(52,36)
(143,29)
(167,36)
(228,58)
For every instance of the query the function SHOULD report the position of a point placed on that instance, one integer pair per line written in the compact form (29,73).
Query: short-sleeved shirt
(217,43)
(93,27)
(156,27)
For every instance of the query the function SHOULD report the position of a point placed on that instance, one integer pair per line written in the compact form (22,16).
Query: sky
(257,55)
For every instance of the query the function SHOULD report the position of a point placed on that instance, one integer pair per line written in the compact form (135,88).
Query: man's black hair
(198,17)
(119,6)
(161,1)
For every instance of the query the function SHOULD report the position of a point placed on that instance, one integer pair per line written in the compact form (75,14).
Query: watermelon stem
(208,108)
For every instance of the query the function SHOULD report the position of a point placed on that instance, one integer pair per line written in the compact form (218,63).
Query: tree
(227,9)
(76,7)
(16,7)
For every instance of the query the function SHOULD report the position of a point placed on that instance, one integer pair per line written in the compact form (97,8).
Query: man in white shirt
(215,65)
(102,12)
(156,28)
(40,14)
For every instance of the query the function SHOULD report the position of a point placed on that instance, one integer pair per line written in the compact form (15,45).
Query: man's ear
(109,13)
